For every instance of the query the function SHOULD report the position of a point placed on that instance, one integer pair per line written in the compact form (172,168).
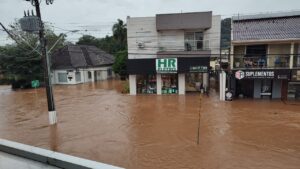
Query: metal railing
(194,45)
(268,61)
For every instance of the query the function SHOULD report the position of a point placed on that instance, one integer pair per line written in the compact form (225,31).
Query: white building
(76,64)
(170,53)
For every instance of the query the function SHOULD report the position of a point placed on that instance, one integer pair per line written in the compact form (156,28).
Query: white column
(93,76)
(205,81)
(292,55)
(222,82)
(132,84)
(181,83)
(52,117)
(158,84)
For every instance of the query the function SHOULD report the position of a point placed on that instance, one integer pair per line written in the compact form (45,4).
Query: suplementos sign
(262,74)
(166,65)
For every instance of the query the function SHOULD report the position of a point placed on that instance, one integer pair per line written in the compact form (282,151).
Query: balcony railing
(268,61)
(194,45)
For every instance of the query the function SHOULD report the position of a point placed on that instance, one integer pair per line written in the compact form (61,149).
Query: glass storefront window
(146,84)
(193,82)
(169,84)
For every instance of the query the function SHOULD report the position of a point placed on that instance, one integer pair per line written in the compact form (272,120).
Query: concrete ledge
(50,157)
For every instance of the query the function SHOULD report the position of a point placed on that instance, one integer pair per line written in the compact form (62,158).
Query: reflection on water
(97,122)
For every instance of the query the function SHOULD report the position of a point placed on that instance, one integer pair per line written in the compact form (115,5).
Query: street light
(36,24)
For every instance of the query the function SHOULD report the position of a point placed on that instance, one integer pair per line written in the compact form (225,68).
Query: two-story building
(265,57)
(170,53)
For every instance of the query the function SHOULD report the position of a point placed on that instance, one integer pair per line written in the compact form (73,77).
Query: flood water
(97,122)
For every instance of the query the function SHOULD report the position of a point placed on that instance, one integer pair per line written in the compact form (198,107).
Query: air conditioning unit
(141,45)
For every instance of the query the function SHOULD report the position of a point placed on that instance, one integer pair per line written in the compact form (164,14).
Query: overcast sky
(95,17)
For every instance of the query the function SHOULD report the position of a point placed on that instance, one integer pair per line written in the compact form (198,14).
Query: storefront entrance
(146,84)
(193,82)
(169,83)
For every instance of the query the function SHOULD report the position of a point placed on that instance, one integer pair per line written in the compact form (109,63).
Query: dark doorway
(245,88)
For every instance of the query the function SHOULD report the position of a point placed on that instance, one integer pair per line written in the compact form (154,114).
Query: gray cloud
(97,16)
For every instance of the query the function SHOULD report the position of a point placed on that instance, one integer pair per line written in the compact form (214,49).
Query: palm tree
(120,33)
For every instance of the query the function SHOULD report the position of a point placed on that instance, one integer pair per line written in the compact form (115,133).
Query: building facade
(76,64)
(265,58)
(170,53)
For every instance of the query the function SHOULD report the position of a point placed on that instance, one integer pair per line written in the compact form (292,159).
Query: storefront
(294,86)
(168,75)
(261,83)
(146,84)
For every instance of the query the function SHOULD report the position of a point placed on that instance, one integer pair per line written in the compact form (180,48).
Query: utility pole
(49,92)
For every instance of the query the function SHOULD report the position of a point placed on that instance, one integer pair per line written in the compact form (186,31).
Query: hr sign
(166,65)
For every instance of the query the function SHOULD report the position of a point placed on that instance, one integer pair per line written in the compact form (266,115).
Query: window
(109,72)
(78,76)
(146,84)
(62,77)
(193,41)
(89,74)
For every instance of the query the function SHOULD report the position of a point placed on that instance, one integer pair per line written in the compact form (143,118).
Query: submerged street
(96,121)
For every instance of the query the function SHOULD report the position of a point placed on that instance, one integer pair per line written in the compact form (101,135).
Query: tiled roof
(80,56)
(267,29)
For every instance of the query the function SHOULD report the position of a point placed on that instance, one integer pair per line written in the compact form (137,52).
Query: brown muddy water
(97,122)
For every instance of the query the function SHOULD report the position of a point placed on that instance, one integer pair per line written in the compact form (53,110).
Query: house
(266,61)
(170,53)
(75,64)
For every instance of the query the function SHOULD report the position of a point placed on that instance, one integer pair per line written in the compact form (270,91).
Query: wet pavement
(97,122)
(8,161)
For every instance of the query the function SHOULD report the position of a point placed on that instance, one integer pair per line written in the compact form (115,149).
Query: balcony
(296,61)
(258,62)
(196,45)
(187,48)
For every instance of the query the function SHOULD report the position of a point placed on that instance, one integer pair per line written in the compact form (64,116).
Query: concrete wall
(172,40)
(181,84)
(142,30)
(213,35)
(102,75)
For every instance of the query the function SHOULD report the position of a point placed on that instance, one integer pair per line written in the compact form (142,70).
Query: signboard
(166,65)
(199,69)
(35,83)
(262,74)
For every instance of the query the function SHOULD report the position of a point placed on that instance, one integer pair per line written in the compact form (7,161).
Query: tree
(19,63)
(115,44)
(120,60)
(226,33)
(88,40)
(120,34)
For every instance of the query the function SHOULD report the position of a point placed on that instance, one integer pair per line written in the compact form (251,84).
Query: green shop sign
(167,65)
(200,69)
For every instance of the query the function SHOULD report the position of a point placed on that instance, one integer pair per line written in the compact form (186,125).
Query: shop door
(245,88)
(284,89)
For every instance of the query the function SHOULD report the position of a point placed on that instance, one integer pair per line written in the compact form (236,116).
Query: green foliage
(226,33)
(19,62)
(125,88)
(115,44)
(120,61)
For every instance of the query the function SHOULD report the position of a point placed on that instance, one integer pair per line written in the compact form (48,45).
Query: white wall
(142,29)
(84,75)
(213,35)
(171,40)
